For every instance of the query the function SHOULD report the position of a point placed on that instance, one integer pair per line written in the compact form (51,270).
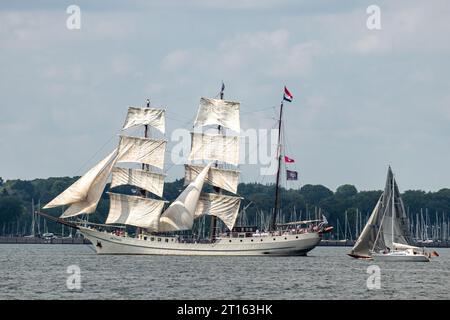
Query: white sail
(223,178)
(134,211)
(215,147)
(367,238)
(218,112)
(142,150)
(388,223)
(180,214)
(83,195)
(226,208)
(145,116)
(153,182)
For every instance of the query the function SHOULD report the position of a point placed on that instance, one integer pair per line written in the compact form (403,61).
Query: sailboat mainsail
(137,116)
(134,211)
(226,179)
(149,181)
(388,223)
(224,207)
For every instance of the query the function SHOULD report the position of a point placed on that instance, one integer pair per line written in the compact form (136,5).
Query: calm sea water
(40,272)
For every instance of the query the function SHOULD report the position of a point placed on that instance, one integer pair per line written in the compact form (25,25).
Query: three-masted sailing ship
(386,235)
(213,160)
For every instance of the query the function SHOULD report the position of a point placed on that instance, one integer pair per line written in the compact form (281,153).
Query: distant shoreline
(36,240)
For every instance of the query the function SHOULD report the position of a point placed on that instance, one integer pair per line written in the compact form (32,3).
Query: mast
(417,226)
(277,187)
(216,189)
(32,218)
(393,210)
(145,167)
(345,227)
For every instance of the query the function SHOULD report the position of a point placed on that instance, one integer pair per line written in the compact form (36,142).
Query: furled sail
(145,116)
(388,223)
(180,214)
(225,208)
(135,211)
(223,178)
(142,150)
(219,112)
(84,194)
(215,147)
(153,182)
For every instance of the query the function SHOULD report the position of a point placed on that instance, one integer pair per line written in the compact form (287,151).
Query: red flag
(288,160)
(287,95)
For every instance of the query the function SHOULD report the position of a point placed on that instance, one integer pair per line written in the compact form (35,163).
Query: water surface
(40,272)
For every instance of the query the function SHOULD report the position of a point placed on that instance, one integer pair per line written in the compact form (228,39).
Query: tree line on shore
(345,204)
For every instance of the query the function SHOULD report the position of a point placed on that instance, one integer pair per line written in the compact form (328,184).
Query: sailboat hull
(400,257)
(283,245)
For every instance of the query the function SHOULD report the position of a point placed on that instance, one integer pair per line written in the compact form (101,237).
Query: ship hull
(281,245)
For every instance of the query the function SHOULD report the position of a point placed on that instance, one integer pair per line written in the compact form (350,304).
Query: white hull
(285,245)
(400,257)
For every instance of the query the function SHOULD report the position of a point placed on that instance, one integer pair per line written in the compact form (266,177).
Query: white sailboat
(158,224)
(386,236)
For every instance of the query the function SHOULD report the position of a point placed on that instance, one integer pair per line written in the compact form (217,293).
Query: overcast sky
(364,98)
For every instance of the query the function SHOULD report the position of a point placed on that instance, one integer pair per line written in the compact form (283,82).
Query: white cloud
(272,53)
(175,60)
(236,4)
(122,65)
(412,26)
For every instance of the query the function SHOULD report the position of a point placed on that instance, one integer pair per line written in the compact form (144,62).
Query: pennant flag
(291,175)
(287,95)
(288,160)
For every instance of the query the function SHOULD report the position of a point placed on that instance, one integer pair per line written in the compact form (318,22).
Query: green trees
(346,191)
(314,194)
(10,208)
(16,196)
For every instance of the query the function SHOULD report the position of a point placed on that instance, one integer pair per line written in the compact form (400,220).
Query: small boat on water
(386,235)
(402,252)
